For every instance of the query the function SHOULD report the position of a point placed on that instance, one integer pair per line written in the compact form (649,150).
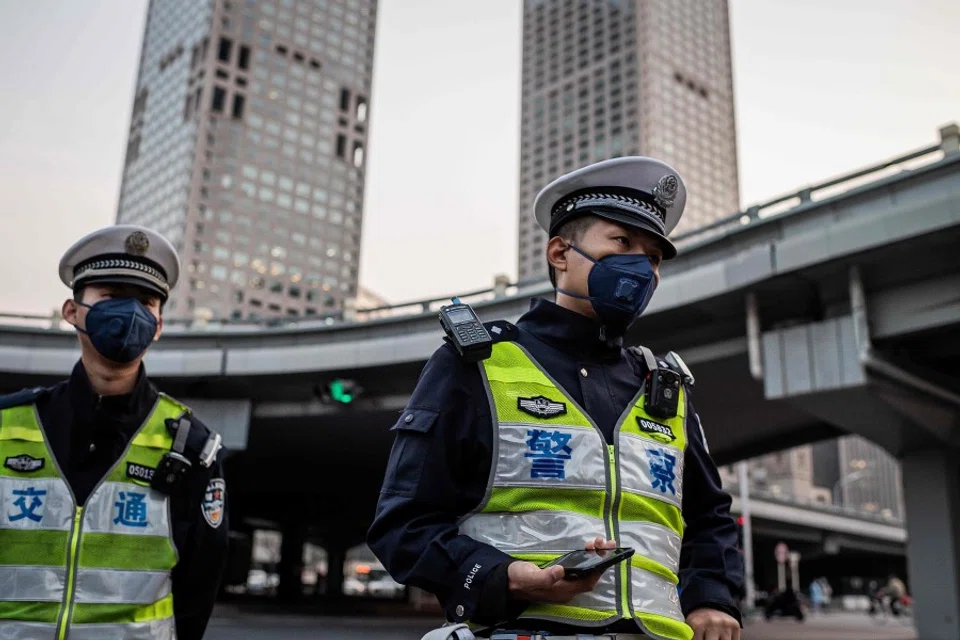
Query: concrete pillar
(336,559)
(931,487)
(290,589)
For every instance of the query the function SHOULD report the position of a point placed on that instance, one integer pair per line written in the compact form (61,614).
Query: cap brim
(626,219)
(131,280)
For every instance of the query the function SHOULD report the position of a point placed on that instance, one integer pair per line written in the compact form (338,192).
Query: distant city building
(247,149)
(848,472)
(870,478)
(367,299)
(625,77)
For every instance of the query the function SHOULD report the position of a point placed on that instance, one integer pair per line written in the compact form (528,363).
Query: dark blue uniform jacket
(440,462)
(88,434)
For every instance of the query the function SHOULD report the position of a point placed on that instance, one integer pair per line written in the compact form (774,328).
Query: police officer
(112,512)
(562,439)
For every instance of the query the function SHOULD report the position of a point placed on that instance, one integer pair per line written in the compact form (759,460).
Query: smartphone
(582,563)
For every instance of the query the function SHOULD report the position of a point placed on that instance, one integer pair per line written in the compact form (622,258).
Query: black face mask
(120,329)
(620,287)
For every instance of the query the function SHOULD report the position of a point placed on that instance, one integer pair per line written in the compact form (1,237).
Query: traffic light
(341,391)
(740,533)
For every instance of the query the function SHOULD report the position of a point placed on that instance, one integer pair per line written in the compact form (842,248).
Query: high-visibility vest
(555,484)
(96,571)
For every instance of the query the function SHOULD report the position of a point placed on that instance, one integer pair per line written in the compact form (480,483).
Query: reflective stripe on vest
(555,484)
(97,571)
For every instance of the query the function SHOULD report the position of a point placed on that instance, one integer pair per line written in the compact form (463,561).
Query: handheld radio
(466,332)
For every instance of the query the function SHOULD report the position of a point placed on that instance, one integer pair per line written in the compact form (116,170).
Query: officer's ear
(557,249)
(71,309)
(156,336)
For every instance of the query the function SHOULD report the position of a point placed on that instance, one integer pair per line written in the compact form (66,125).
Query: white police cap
(122,254)
(632,190)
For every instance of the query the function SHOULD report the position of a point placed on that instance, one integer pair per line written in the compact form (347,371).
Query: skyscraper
(246,149)
(607,78)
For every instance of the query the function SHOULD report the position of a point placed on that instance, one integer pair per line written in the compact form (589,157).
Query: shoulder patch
(20,398)
(502,331)
(213,503)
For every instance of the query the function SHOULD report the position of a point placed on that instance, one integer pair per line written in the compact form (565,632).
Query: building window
(357,154)
(238,102)
(219,99)
(244,59)
(224,50)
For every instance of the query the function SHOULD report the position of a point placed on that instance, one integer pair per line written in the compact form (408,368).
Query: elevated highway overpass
(832,310)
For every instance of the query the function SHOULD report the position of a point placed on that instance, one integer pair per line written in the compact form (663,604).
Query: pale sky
(822,87)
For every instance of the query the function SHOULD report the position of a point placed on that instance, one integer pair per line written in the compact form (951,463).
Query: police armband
(173,466)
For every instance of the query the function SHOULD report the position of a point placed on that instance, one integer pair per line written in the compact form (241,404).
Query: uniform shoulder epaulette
(502,331)
(20,398)
(203,444)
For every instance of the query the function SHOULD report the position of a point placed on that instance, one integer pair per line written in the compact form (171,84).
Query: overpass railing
(807,196)
(789,500)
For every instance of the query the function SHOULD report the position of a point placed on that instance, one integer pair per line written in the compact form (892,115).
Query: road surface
(275,627)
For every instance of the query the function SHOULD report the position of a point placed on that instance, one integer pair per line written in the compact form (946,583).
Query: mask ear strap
(85,306)
(580,251)
(573,295)
(570,245)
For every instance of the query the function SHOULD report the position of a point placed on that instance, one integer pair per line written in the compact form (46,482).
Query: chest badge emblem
(24,463)
(541,407)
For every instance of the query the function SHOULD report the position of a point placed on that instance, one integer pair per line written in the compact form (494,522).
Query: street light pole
(744,481)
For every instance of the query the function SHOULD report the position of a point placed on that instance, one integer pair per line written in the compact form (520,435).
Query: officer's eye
(623,240)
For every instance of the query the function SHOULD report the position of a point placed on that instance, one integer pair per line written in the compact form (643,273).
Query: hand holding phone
(587,562)
(531,583)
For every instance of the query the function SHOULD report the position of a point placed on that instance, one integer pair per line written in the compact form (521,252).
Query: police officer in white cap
(114,512)
(562,439)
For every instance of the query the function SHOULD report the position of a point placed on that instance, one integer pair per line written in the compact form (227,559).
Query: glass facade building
(848,473)
(610,78)
(247,150)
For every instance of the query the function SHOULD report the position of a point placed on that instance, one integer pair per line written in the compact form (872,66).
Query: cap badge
(666,190)
(137,243)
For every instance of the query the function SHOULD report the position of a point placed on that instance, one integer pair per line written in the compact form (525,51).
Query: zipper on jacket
(613,533)
(64,621)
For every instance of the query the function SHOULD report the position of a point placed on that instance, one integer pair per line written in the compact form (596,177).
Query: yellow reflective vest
(555,484)
(85,572)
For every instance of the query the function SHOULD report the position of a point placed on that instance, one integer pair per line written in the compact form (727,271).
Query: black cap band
(632,202)
(120,261)
(122,269)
